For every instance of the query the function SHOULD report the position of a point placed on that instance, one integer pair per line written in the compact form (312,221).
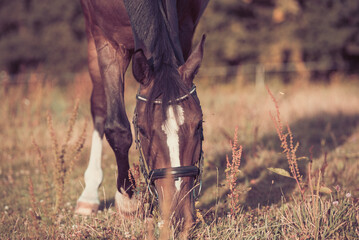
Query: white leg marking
(93,173)
(171,127)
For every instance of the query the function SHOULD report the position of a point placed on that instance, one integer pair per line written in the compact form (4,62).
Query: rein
(175,172)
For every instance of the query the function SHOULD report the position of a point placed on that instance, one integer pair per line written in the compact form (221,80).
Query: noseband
(175,172)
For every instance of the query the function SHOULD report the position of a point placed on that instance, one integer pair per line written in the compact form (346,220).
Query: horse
(157,36)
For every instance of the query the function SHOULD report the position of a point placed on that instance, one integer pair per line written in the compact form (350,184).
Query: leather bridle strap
(159,101)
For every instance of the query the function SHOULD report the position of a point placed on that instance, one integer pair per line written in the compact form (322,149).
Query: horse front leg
(113,63)
(89,202)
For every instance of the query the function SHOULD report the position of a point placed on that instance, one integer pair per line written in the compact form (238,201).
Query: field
(249,203)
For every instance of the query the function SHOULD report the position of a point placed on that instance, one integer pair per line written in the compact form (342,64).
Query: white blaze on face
(171,127)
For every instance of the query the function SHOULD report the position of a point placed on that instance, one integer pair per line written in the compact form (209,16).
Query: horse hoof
(86,209)
(126,207)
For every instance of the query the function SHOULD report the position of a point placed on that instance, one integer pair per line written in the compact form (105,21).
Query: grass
(246,201)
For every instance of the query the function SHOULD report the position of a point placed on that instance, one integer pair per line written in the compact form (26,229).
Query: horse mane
(161,47)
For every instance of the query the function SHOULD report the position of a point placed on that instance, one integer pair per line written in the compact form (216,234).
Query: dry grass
(232,171)
(324,119)
(288,147)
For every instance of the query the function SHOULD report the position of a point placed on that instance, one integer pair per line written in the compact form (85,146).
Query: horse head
(168,128)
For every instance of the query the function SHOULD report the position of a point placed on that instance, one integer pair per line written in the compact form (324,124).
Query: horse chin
(184,213)
(176,207)
(184,219)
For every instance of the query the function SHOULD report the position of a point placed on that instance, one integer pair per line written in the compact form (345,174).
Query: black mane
(155,28)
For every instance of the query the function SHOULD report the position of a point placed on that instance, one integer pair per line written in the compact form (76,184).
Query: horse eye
(199,126)
(200,130)
(142,132)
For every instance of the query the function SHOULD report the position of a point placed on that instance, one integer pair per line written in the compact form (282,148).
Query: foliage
(232,172)
(276,31)
(65,156)
(51,35)
(288,147)
(46,216)
(36,33)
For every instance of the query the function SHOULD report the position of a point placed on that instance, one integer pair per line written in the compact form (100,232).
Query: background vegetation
(245,31)
(50,35)
(45,34)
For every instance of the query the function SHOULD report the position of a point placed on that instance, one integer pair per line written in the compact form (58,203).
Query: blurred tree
(50,34)
(326,28)
(41,33)
(278,31)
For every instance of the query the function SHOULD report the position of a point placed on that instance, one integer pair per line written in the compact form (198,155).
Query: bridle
(174,172)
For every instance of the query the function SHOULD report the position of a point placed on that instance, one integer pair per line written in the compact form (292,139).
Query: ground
(323,118)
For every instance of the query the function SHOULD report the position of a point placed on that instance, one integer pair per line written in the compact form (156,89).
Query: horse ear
(190,68)
(140,67)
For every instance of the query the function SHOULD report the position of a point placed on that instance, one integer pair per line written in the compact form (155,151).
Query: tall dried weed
(45,214)
(66,155)
(232,172)
(289,149)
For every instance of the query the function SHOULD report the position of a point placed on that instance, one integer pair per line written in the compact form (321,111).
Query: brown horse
(157,35)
